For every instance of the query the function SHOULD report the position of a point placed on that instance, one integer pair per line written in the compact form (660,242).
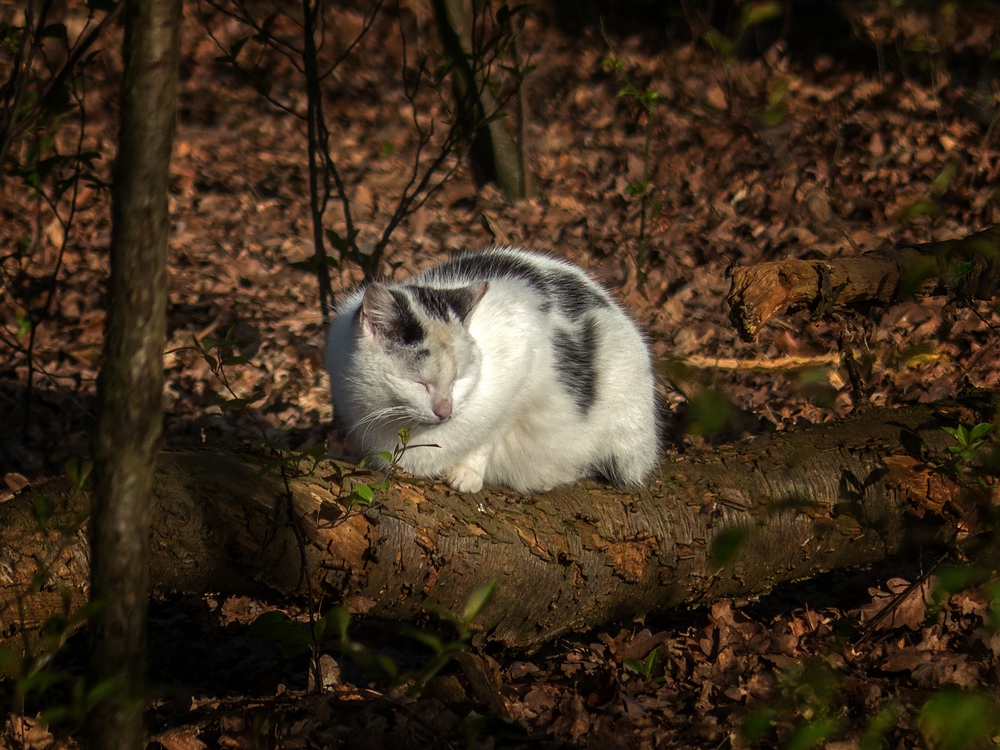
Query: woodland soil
(828,143)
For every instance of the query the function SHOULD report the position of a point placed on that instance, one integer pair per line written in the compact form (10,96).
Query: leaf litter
(792,153)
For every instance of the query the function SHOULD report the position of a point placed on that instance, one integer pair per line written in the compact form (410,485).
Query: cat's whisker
(388,417)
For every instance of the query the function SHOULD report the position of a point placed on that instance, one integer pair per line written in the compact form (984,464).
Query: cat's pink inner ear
(376,310)
(479,290)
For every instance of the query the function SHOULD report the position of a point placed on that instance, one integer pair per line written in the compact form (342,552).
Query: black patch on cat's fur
(575,363)
(437,303)
(405,329)
(571,294)
(607,469)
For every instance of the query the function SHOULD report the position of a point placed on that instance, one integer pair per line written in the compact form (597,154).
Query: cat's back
(557,287)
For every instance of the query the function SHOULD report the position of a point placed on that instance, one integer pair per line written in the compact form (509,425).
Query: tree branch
(966,268)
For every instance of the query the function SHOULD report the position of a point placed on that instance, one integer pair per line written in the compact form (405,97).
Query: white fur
(512,421)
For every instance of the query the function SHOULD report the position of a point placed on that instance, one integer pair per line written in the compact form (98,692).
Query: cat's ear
(378,311)
(386,315)
(476,293)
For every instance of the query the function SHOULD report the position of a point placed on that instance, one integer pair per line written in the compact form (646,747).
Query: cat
(516,365)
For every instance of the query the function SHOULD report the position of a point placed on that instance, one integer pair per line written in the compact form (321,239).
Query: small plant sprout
(970,443)
(296,638)
(364,494)
(643,667)
(78,471)
(752,14)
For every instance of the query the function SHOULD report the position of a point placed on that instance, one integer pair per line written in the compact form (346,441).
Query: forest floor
(832,142)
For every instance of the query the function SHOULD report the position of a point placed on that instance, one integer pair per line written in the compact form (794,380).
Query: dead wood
(831,496)
(964,269)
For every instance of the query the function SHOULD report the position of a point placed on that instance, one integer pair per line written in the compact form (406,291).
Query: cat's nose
(442,408)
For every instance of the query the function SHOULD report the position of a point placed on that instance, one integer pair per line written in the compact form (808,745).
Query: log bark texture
(832,496)
(964,268)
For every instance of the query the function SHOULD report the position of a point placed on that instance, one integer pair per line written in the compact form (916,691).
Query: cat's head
(416,342)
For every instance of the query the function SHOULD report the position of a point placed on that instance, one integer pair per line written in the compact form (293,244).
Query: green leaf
(40,681)
(477,600)
(321,630)
(237,360)
(361,495)
(944,178)
(915,275)
(727,543)
(388,666)
(612,64)
(952,719)
(954,578)
(960,269)
(383,456)
(280,628)
(430,640)
(269,623)
(881,724)
(755,13)
(813,733)
(923,207)
(231,404)
(54,714)
(637,189)
(720,43)
(709,413)
(23,325)
(340,618)
(980,430)
(41,508)
(78,471)
(757,724)
(102,690)
(636,666)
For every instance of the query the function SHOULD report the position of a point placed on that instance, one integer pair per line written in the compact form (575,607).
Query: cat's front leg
(467,475)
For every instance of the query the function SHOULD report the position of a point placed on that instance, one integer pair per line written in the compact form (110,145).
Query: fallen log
(964,269)
(791,505)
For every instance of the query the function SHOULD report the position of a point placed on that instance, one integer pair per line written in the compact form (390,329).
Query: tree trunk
(494,154)
(965,268)
(130,388)
(781,508)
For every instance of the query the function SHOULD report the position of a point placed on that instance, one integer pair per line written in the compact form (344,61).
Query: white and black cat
(518,366)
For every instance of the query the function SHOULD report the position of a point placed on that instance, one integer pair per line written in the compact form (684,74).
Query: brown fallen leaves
(880,145)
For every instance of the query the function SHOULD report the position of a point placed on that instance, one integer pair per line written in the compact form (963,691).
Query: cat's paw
(464,479)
